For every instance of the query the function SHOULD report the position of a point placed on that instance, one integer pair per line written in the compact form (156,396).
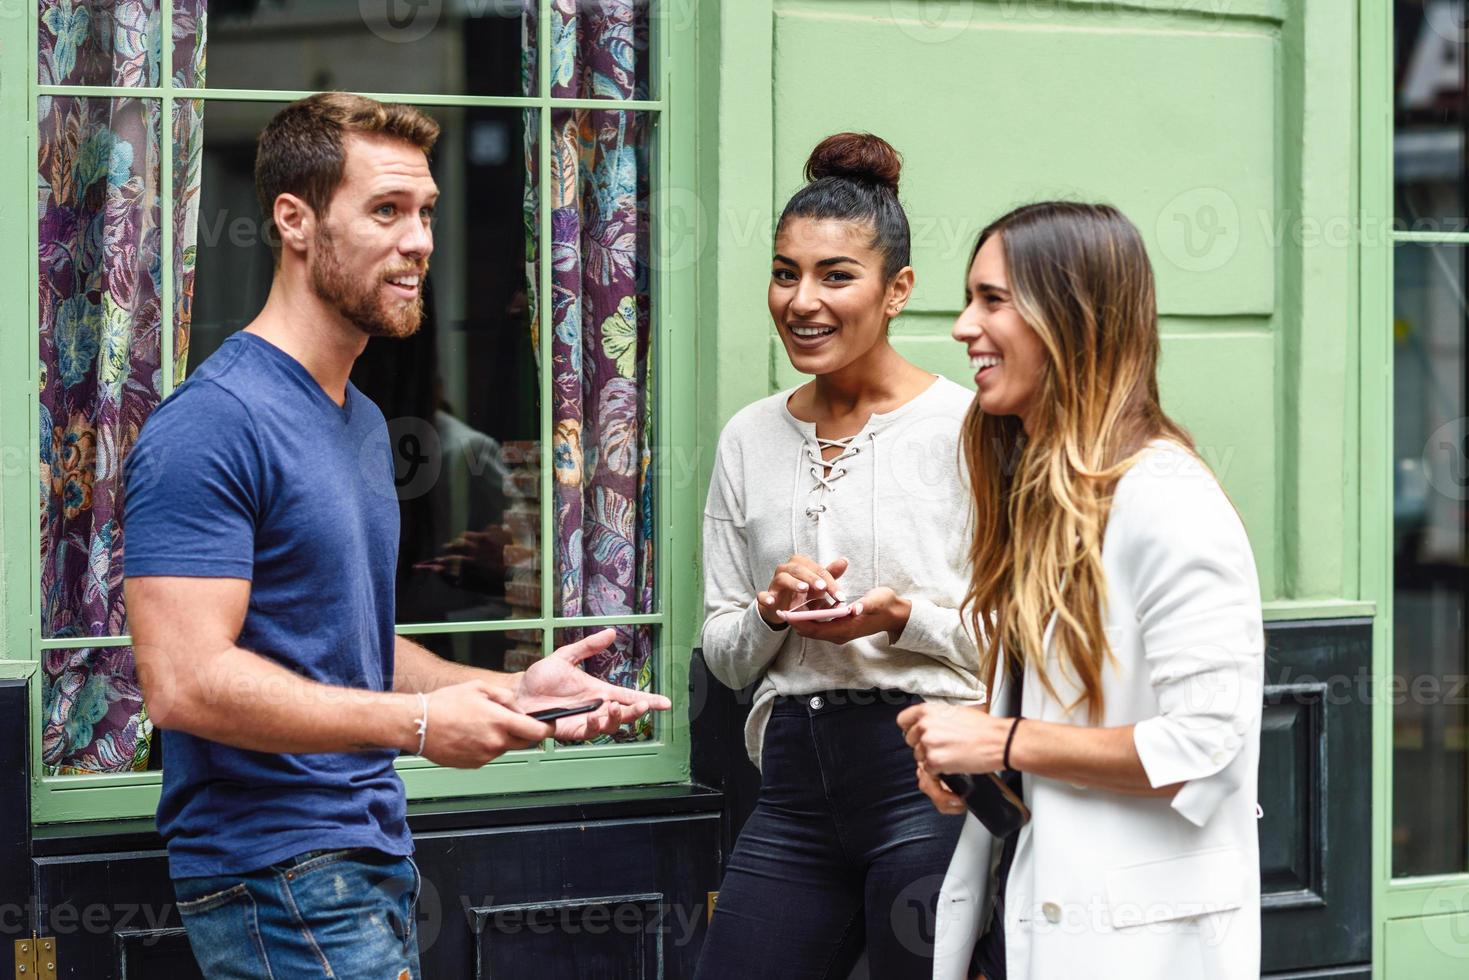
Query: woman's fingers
(914,723)
(913,731)
(936,791)
(808,576)
(915,740)
(785,582)
(800,580)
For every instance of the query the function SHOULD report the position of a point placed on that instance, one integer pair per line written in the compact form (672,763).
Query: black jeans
(842,851)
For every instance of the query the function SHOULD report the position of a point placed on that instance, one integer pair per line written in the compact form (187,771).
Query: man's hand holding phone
(473,723)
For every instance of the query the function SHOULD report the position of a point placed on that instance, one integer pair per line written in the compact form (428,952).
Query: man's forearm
(242,699)
(416,668)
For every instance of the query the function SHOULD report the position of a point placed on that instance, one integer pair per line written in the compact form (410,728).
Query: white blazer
(1106,885)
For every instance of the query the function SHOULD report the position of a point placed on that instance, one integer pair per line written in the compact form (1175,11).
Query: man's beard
(362,302)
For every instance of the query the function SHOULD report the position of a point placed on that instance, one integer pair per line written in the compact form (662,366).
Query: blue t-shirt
(249,470)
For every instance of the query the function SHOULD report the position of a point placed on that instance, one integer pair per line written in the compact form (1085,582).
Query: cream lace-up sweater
(894,503)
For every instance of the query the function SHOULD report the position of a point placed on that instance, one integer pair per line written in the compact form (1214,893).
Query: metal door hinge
(35,958)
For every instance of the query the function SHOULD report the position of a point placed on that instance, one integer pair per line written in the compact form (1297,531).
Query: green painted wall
(1224,129)
(1252,149)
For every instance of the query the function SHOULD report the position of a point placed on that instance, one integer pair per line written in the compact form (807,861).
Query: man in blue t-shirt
(262,536)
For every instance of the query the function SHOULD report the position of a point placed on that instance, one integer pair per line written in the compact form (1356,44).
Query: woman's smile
(984,366)
(811,336)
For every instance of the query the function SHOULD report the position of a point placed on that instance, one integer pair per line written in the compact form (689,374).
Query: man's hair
(301,150)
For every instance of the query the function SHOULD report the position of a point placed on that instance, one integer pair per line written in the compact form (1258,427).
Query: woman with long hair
(1118,598)
(836,500)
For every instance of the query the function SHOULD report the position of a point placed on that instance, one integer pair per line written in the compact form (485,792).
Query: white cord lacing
(826,472)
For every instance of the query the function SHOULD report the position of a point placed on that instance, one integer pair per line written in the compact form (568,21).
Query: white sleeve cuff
(1198,757)
(938,631)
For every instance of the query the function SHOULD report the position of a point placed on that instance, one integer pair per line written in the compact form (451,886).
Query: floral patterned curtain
(600,339)
(99,238)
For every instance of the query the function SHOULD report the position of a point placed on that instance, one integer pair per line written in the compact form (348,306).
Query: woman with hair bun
(841,499)
(1122,617)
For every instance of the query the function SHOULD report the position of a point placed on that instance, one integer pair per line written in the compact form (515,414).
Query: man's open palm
(559,682)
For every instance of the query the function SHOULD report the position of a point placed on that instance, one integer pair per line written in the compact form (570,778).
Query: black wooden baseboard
(15,812)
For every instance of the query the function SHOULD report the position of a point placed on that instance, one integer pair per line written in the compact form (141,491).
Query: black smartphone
(992,797)
(551,714)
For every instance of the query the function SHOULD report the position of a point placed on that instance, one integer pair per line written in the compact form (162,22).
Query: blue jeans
(842,851)
(346,914)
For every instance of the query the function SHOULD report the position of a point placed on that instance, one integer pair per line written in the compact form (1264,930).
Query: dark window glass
(1431,487)
(461,396)
(444,47)
(1430,101)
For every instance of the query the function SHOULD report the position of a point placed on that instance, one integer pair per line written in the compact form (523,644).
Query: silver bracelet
(422,722)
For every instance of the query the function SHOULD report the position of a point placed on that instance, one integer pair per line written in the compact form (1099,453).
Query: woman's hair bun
(856,156)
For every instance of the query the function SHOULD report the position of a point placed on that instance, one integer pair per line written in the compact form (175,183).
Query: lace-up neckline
(826,472)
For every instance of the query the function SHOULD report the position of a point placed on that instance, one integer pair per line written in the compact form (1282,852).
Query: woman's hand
(952,738)
(796,581)
(881,610)
(943,800)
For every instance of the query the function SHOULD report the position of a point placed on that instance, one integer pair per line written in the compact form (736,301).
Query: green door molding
(1421,927)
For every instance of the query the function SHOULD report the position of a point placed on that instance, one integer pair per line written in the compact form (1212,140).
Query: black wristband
(1010,738)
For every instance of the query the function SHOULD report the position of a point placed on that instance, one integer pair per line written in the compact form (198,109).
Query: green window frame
(1432,900)
(664,759)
